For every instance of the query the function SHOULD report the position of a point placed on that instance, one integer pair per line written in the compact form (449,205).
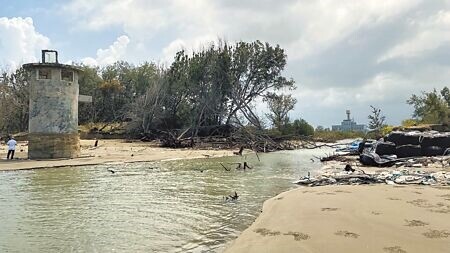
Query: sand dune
(374,218)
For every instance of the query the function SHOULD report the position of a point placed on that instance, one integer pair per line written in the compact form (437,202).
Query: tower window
(44,74)
(66,75)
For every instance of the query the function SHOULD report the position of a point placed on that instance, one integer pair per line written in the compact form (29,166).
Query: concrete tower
(53,116)
(348,114)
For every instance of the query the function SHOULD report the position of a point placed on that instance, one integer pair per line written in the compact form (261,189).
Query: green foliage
(376,123)
(220,83)
(445,93)
(431,107)
(410,122)
(279,106)
(386,129)
(332,136)
(320,128)
(114,89)
(255,68)
(376,119)
(300,128)
(14,97)
(297,128)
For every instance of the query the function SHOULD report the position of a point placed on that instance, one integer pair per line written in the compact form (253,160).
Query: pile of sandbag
(398,146)
(413,144)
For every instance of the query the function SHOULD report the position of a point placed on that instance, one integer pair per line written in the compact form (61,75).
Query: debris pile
(338,179)
(358,177)
(401,146)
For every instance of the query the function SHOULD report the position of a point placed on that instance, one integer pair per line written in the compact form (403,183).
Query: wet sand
(370,218)
(107,151)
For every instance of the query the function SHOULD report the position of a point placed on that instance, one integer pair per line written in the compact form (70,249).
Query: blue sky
(346,54)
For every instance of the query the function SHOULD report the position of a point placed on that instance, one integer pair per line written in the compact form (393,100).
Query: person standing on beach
(11,147)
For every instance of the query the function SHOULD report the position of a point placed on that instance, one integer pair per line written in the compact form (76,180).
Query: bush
(332,136)
(409,123)
(301,128)
(385,130)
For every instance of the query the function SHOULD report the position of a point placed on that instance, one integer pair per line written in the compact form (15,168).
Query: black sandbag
(367,159)
(364,145)
(361,147)
(385,148)
(432,151)
(400,138)
(408,151)
(442,141)
(373,159)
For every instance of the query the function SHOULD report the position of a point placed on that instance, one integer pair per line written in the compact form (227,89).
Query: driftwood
(226,169)
(240,166)
(336,157)
(232,197)
(340,179)
(228,136)
(243,166)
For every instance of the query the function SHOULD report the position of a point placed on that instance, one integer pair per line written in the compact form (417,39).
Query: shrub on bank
(332,136)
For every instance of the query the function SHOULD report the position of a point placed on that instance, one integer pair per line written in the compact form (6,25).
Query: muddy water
(171,206)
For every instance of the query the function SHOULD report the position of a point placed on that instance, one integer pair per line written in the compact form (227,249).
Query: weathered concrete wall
(53,104)
(53,118)
(48,146)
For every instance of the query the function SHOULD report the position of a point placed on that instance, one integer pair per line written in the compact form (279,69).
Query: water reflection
(174,206)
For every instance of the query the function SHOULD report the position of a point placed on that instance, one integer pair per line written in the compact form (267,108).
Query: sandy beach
(374,218)
(107,151)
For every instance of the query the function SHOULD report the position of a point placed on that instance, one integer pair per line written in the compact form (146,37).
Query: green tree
(431,107)
(376,119)
(301,128)
(220,84)
(14,101)
(147,110)
(199,87)
(445,93)
(255,69)
(279,106)
(88,81)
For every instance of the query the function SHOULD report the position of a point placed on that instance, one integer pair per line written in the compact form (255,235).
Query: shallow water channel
(169,206)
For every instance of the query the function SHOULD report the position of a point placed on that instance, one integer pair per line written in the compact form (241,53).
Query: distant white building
(348,125)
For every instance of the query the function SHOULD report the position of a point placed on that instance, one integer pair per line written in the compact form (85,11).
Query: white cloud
(170,51)
(190,45)
(429,34)
(321,24)
(381,88)
(302,27)
(113,53)
(20,42)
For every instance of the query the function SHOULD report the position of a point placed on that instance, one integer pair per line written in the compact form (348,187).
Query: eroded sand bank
(107,151)
(373,218)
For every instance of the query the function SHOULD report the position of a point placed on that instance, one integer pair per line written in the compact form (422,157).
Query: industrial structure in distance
(349,125)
